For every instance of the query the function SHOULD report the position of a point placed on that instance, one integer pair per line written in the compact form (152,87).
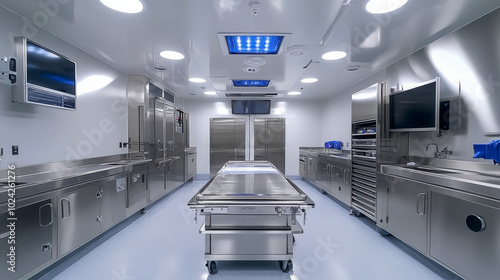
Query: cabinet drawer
(471,248)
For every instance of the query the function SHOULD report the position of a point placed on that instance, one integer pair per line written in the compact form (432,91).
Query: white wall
(336,124)
(46,134)
(303,127)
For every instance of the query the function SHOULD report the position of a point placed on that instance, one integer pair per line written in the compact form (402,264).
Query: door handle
(41,213)
(99,193)
(65,208)
(421,200)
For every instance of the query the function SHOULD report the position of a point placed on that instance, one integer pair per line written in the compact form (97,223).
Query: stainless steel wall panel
(467,63)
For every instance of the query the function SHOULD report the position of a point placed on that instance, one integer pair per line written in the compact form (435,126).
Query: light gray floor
(165,244)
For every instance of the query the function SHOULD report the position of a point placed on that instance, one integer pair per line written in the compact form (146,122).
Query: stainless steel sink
(432,169)
(126,162)
(5,185)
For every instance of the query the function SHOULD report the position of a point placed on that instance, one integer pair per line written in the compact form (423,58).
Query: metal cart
(250,211)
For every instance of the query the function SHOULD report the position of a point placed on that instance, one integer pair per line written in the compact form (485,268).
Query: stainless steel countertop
(253,182)
(48,180)
(310,151)
(468,181)
(339,157)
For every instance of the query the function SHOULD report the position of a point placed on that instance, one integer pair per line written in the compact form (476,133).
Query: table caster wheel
(212,267)
(382,231)
(286,266)
(356,213)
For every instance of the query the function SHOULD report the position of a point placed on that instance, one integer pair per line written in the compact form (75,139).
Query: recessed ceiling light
(309,80)
(210,92)
(197,80)
(254,44)
(172,55)
(384,6)
(334,55)
(294,93)
(124,6)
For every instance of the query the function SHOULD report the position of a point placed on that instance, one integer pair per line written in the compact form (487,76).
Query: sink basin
(340,155)
(5,185)
(434,169)
(125,162)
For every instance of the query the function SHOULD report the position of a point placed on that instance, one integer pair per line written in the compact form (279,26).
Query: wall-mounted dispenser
(8,70)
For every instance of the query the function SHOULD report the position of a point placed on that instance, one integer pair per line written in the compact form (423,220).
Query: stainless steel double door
(227,141)
(161,147)
(269,141)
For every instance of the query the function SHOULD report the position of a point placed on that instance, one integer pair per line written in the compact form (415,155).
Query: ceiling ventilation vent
(268,95)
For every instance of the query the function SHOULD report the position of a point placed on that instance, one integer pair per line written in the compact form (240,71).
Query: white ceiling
(132,42)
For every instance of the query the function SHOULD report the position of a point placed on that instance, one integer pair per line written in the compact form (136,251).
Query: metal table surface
(252,181)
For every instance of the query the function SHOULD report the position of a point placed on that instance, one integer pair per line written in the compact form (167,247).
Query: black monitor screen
(49,70)
(251,106)
(414,109)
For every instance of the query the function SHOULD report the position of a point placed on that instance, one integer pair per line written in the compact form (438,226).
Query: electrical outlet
(15,150)
(120,145)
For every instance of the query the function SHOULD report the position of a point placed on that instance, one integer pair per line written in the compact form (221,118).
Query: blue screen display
(49,70)
(251,83)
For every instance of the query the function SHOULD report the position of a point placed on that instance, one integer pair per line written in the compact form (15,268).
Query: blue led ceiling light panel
(251,83)
(260,44)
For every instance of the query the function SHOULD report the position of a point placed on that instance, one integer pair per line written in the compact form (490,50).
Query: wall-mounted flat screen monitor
(45,77)
(251,106)
(415,109)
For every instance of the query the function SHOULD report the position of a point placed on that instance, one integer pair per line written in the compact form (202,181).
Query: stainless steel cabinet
(312,163)
(465,234)
(33,234)
(340,183)
(88,209)
(334,178)
(137,189)
(190,164)
(78,217)
(156,180)
(113,202)
(323,175)
(407,209)
(303,166)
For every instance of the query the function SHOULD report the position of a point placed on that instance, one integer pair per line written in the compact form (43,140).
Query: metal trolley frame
(250,211)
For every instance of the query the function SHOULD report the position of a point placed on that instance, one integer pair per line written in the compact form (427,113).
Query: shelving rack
(364,168)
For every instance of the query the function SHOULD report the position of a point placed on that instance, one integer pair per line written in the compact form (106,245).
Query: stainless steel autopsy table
(250,211)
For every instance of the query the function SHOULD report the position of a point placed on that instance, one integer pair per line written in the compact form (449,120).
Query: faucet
(437,154)
(446,151)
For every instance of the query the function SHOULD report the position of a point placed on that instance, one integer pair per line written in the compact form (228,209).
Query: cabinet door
(407,212)
(33,238)
(344,186)
(332,190)
(465,235)
(78,218)
(321,175)
(113,202)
